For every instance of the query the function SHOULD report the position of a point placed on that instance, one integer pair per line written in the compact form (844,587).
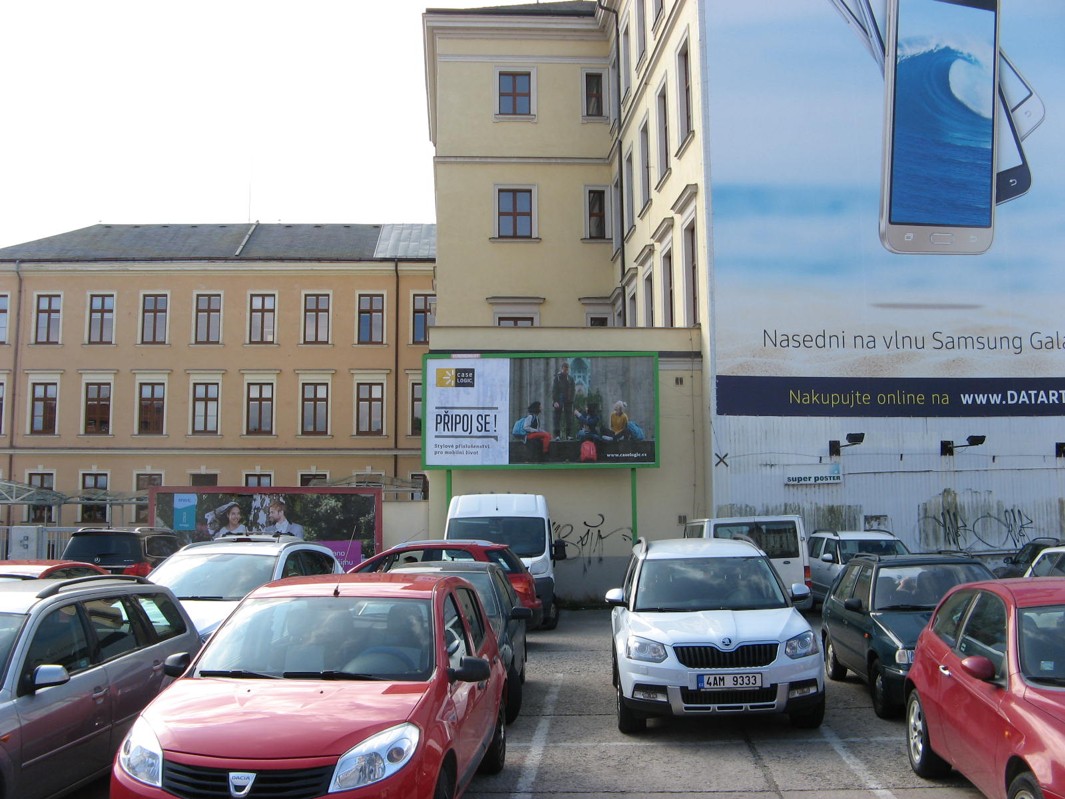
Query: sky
(213,111)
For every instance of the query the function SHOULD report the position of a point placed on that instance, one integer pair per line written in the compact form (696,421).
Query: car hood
(904,625)
(713,626)
(229,718)
(207,614)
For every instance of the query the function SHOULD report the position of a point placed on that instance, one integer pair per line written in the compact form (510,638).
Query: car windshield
(848,548)
(198,574)
(323,638)
(919,587)
(693,584)
(10,624)
(1042,644)
(522,534)
(109,547)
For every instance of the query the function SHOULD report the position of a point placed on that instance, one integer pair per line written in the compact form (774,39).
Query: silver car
(83,657)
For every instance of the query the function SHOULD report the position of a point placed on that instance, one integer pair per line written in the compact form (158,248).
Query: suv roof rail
(59,585)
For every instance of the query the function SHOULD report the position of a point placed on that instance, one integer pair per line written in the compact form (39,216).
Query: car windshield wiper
(239,673)
(328,675)
(906,607)
(665,610)
(204,598)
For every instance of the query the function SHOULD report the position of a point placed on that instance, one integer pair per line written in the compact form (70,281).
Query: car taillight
(139,569)
(807,578)
(525,585)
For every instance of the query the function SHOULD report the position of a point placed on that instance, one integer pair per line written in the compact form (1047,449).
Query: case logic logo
(454,378)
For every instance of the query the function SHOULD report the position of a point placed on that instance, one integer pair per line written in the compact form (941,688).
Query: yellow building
(229,355)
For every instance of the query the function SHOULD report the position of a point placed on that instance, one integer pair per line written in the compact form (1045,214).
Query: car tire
(514,692)
(882,705)
(551,614)
(628,721)
(445,784)
(834,670)
(923,759)
(808,718)
(496,754)
(1024,786)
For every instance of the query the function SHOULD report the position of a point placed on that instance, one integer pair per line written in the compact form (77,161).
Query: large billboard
(541,411)
(347,520)
(888,190)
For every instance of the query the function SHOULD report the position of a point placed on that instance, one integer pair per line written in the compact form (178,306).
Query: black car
(124,550)
(1017,563)
(506,614)
(875,610)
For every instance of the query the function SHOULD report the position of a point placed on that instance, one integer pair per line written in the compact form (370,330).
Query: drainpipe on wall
(12,403)
(621,162)
(395,369)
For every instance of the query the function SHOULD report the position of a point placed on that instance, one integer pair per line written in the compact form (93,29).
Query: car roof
(697,548)
(918,559)
(1048,551)
(1027,592)
(378,584)
(124,530)
(448,566)
(20,596)
(257,544)
(857,535)
(440,543)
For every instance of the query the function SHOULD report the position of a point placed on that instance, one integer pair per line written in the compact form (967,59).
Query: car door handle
(99,693)
(944,671)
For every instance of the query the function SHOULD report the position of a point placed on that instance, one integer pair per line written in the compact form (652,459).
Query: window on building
(684,93)
(144,482)
(45,398)
(594,94)
(97,409)
(423,480)
(262,309)
(598,320)
(316,319)
(370,409)
(663,133)
(424,316)
(153,318)
(101,319)
(260,409)
(641,29)
(91,482)
(151,408)
(626,60)
(630,175)
(4,300)
(208,318)
(649,301)
(258,480)
(314,409)
(308,479)
(203,479)
(415,409)
(657,12)
(47,328)
(595,204)
(616,210)
(645,165)
(630,311)
(205,408)
(667,288)
(41,514)
(514,213)
(691,265)
(515,93)
(515,321)
(371,318)
(3,396)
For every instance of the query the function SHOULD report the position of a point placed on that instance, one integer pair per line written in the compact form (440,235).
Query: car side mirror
(828,557)
(177,664)
(47,675)
(978,667)
(470,669)
(615,596)
(519,612)
(799,592)
(854,603)
(558,549)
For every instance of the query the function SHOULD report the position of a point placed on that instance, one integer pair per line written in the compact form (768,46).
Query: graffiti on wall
(589,541)
(973,524)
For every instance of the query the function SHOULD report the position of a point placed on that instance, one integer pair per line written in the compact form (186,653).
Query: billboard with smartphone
(906,157)
(541,411)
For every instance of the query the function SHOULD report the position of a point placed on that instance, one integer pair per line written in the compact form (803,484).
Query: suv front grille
(192,782)
(748,656)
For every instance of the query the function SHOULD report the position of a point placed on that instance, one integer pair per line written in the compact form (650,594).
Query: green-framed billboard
(569,410)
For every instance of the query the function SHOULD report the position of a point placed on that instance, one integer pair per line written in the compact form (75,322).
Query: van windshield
(525,536)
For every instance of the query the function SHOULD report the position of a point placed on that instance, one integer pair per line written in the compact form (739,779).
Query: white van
(782,538)
(522,522)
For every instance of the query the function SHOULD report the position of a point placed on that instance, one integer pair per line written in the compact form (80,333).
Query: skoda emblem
(726,642)
(240,783)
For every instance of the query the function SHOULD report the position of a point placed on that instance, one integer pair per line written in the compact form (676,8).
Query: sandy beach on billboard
(804,333)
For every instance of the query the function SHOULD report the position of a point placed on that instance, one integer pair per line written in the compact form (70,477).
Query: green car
(875,610)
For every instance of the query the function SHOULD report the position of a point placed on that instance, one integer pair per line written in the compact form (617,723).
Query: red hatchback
(451,549)
(44,569)
(986,691)
(339,686)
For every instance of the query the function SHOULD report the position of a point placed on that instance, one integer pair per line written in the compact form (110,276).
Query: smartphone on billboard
(938,178)
(1012,176)
(1024,104)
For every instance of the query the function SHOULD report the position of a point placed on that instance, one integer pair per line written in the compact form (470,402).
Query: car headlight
(802,645)
(904,657)
(376,758)
(140,755)
(637,648)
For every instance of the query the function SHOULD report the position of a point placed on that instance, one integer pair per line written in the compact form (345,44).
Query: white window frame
(34,378)
(645,164)
(360,376)
(662,123)
(384,318)
(247,327)
(140,317)
(516,306)
(685,95)
(141,377)
(107,377)
(215,377)
(88,317)
(257,376)
(195,314)
(36,313)
(81,506)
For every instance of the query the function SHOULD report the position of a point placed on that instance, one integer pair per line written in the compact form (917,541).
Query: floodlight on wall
(853,440)
(948,447)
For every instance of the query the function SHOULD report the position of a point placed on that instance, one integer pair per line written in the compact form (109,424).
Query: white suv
(705,626)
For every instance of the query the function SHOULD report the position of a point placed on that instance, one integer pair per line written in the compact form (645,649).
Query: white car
(211,577)
(831,550)
(705,626)
(1048,563)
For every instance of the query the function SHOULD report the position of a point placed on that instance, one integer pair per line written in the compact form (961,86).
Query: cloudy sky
(142,111)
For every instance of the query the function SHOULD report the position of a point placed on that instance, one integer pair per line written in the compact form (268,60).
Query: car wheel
(923,759)
(445,785)
(628,721)
(496,755)
(1024,786)
(514,692)
(809,718)
(882,706)
(551,614)
(834,670)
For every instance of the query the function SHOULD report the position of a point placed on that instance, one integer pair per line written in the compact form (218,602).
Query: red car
(986,692)
(45,569)
(339,686)
(437,550)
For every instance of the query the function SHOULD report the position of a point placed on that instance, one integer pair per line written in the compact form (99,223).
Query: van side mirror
(558,549)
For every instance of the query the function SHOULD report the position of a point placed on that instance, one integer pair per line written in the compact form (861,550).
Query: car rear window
(776,539)
(108,547)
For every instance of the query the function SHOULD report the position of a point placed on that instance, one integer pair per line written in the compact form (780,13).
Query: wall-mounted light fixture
(853,439)
(948,447)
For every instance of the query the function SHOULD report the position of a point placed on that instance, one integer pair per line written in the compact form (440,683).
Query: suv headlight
(904,657)
(140,755)
(637,648)
(376,758)
(802,645)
